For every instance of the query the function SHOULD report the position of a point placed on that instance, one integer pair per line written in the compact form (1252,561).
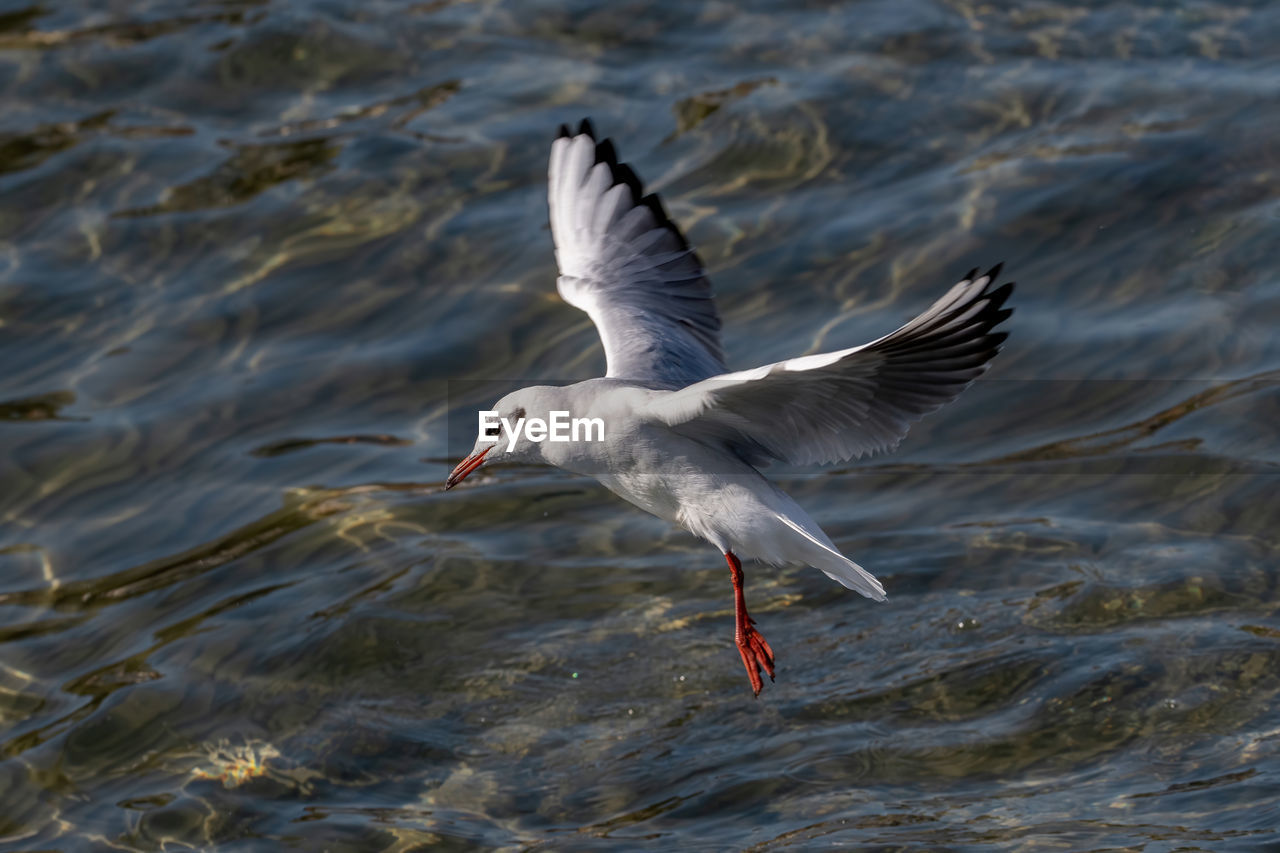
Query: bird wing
(835,406)
(627,265)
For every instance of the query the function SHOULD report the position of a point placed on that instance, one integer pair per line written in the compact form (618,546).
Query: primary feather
(834,406)
(628,266)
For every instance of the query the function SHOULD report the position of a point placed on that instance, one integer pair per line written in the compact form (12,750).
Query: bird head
(501,436)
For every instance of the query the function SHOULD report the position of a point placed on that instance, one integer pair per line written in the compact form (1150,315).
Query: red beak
(465,467)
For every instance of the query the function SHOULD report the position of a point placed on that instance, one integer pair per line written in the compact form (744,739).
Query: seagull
(683,437)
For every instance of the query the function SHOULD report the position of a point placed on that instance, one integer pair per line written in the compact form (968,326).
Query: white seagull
(683,436)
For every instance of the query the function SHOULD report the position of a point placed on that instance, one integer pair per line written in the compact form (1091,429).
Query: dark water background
(247,248)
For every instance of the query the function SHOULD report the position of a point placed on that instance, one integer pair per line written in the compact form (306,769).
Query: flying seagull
(683,436)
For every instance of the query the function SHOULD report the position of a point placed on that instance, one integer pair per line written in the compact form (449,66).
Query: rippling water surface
(253,252)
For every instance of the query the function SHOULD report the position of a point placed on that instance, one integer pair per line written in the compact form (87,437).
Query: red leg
(753,648)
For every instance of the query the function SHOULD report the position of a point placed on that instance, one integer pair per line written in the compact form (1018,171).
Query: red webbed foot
(756,653)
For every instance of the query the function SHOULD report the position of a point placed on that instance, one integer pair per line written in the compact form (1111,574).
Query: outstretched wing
(840,405)
(628,266)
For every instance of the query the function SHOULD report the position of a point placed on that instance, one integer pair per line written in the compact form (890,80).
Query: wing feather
(831,407)
(626,264)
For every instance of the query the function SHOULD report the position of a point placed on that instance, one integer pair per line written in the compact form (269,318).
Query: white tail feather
(835,565)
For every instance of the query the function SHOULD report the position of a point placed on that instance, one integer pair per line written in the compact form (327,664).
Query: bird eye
(492,432)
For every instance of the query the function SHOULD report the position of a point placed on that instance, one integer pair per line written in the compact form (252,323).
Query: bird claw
(756,654)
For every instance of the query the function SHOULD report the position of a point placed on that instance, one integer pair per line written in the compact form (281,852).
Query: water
(253,252)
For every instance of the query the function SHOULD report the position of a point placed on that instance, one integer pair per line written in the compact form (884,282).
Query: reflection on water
(252,254)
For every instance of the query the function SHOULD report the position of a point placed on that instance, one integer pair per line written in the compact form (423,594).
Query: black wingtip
(994,272)
(654,204)
(564,132)
(996,297)
(605,153)
(623,174)
(585,127)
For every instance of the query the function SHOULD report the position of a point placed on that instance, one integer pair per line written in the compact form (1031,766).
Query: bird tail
(823,555)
